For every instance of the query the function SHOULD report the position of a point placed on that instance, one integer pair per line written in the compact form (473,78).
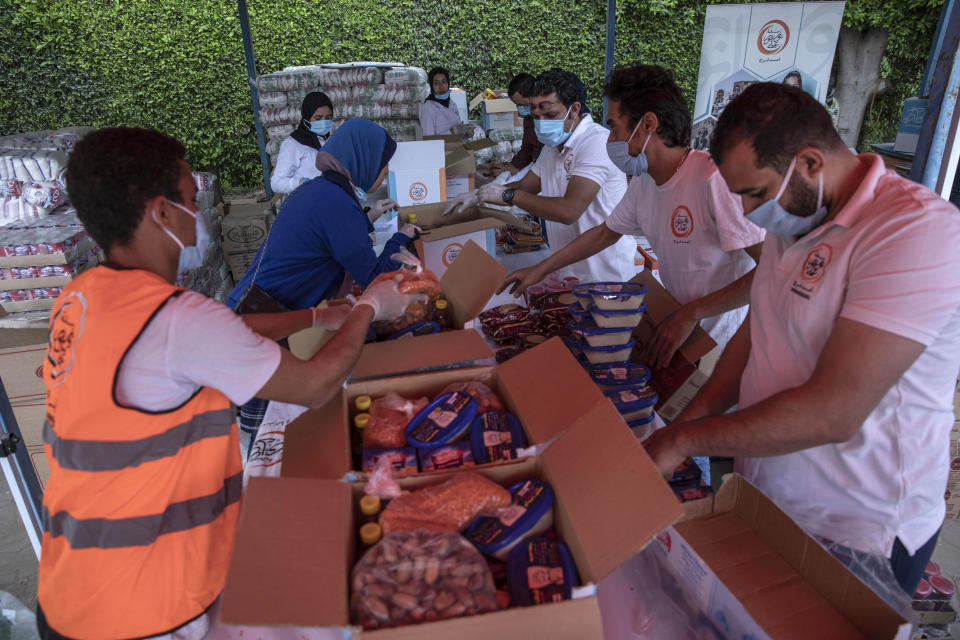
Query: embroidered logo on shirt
(681,222)
(816,262)
(568,163)
(418,191)
(65,329)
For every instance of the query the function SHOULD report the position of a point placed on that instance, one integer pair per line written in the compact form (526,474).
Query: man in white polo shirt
(845,369)
(573,185)
(679,201)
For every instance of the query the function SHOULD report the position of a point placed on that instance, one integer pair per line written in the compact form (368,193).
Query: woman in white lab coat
(297,160)
(438,114)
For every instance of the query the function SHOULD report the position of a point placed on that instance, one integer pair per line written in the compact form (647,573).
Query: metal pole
(254,98)
(611,37)
(935,162)
(935,46)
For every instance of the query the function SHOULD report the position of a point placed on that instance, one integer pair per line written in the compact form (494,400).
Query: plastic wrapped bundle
(506,135)
(45,195)
(272,116)
(32,165)
(405,76)
(10,188)
(274,99)
(280,132)
(51,140)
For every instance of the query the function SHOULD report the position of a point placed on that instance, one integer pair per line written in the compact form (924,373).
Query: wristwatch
(507,195)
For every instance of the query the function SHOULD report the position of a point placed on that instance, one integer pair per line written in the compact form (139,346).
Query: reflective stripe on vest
(113,455)
(102,533)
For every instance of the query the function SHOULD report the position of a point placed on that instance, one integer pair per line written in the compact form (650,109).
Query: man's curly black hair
(643,88)
(113,172)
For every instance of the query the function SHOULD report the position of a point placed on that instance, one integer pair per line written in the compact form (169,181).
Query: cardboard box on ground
(309,524)
(498,113)
(318,443)
(21,361)
(245,226)
(756,574)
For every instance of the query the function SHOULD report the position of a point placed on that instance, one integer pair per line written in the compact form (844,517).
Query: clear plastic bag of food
(449,506)
(421,576)
(389,417)
(486,399)
(414,279)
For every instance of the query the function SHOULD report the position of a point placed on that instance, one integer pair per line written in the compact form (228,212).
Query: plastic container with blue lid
(608,318)
(496,436)
(600,336)
(579,314)
(643,427)
(442,421)
(633,403)
(614,375)
(582,292)
(540,571)
(600,355)
(617,295)
(530,514)
(419,329)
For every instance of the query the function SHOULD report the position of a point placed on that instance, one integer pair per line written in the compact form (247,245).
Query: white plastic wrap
(32,165)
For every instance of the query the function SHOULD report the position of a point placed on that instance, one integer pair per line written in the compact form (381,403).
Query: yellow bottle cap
(369,505)
(362,402)
(361,420)
(370,533)
(440,304)
(412,218)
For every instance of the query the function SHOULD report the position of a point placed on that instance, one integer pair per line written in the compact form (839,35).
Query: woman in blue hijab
(321,233)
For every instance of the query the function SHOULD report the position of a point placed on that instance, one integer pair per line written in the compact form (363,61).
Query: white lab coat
(295,162)
(437,119)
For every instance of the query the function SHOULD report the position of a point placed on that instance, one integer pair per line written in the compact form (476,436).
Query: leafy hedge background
(178,66)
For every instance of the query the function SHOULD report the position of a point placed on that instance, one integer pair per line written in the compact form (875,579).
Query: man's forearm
(588,244)
(553,209)
(277,326)
(733,296)
(335,359)
(722,390)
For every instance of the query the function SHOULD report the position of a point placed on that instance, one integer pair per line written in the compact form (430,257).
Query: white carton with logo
(418,173)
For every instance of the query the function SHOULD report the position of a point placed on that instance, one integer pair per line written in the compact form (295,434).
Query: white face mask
(619,153)
(774,218)
(190,257)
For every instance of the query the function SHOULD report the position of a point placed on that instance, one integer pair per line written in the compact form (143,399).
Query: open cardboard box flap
(273,578)
(550,402)
(610,489)
(660,304)
(393,357)
(757,551)
(432,214)
(471,281)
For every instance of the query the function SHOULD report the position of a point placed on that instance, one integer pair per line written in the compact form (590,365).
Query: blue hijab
(363,148)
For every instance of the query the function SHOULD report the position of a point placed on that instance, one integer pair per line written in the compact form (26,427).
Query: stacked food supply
(508,143)
(212,278)
(463,547)
(933,602)
(463,425)
(32,165)
(389,94)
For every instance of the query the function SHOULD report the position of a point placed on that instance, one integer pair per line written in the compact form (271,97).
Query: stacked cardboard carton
(389,94)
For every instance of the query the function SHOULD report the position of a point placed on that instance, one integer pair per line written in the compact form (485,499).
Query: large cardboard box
(242,230)
(460,162)
(418,173)
(498,113)
(756,574)
(610,502)
(445,237)
(680,382)
(319,445)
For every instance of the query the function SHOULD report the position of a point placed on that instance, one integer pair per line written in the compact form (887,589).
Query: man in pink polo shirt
(845,369)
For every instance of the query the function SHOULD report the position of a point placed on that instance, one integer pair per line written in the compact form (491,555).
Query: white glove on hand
(387,301)
(331,318)
(410,230)
(382,207)
(492,193)
(462,202)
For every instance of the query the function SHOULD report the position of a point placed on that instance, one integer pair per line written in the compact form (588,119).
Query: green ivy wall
(178,66)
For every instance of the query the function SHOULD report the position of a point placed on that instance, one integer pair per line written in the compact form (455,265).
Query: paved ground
(18,565)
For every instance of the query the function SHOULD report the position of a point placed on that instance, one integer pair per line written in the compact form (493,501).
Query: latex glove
(462,202)
(670,335)
(386,299)
(410,230)
(522,278)
(505,167)
(492,193)
(331,318)
(382,207)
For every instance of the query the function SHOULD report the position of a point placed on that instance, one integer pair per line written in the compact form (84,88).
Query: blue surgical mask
(523,110)
(774,218)
(619,153)
(361,194)
(550,132)
(442,96)
(321,127)
(190,257)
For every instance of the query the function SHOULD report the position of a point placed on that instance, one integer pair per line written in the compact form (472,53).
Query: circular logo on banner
(65,329)
(450,253)
(418,191)
(681,223)
(568,163)
(816,262)
(773,37)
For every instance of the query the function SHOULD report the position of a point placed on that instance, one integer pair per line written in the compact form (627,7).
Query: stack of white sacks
(213,278)
(32,165)
(389,94)
(508,144)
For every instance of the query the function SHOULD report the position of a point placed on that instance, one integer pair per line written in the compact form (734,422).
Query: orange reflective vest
(140,510)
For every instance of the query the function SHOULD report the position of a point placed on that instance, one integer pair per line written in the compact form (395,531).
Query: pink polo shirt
(890,259)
